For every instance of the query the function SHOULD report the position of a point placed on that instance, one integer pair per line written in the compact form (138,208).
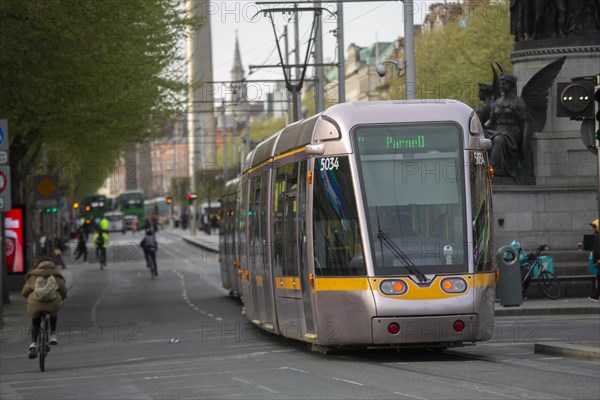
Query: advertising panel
(15,240)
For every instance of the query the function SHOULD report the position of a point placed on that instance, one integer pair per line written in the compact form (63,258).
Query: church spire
(237,71)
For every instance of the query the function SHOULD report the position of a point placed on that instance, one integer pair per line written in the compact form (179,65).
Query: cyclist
(50,302)
(100,240)
(150,246)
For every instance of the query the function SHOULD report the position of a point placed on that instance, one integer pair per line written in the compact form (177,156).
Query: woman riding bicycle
(150,246)
(43,294)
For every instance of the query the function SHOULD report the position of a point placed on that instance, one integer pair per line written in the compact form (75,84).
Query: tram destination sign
(395,139)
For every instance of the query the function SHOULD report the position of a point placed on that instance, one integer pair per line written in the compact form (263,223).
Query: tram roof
(348,115)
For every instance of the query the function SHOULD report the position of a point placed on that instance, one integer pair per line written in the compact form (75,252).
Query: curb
(546,311)
(210,246)
(568,350)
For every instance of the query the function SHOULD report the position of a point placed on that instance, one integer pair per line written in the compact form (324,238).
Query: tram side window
(285,249)
(337,245)
(481,203)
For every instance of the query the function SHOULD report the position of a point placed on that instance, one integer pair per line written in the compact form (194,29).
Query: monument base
(534,215)
(559,206)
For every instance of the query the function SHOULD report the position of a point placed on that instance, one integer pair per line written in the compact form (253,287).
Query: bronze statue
(485,95)
(514,119)
(543,19)
(488,93)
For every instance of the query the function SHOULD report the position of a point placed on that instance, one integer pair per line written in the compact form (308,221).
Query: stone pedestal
(558,208)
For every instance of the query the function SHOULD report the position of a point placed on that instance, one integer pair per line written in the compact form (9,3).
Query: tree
(450,62)
(86,81)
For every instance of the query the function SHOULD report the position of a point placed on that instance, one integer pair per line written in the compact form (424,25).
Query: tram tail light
(458,325)
(393,328)
(454,285)
(393,287)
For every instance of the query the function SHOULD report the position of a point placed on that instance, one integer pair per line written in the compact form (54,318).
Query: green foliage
(85,81)
(450,62)
(264,128)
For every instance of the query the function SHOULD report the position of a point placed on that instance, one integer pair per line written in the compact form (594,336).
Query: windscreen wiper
(398,253)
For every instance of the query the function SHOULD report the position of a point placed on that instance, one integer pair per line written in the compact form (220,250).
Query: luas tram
(366,225)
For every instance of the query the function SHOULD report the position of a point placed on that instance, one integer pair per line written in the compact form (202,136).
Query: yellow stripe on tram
(328,284)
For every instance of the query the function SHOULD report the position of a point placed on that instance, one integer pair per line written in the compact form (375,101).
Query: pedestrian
(595,262)
(44,290)
(81,245)
(134,224)
(57,250)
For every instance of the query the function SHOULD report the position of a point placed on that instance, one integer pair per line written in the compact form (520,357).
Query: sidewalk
(201,239)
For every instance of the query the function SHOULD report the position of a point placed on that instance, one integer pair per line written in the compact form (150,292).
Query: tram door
(286,252)
(303,250)
(259,282)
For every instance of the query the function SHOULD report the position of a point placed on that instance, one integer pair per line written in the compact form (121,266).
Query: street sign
(5,203)
(46,203)
(46,188)
(3,135)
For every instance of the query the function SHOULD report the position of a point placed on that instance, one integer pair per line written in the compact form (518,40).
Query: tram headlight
(393,287)
(454,285)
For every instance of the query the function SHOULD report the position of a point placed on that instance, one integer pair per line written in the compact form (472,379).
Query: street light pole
(409,50)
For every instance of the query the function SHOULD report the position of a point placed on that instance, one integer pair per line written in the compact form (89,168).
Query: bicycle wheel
(549,285)
(151,266)
(43,342)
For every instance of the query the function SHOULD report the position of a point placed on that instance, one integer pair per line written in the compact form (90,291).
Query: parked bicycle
(540,267)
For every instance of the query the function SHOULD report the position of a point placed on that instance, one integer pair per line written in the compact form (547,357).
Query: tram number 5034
(329,163)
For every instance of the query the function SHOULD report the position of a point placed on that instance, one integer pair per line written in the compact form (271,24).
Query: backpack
(149,244)
(45,288)
(99,242)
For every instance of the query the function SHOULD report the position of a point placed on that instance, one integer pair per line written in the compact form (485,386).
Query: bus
(95,206)
(369,224)
(131,203)
(159,208)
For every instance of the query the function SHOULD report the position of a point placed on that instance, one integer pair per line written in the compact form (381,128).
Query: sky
(365,22)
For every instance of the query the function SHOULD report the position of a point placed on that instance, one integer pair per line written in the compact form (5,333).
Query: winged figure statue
(514,119)
(489,92)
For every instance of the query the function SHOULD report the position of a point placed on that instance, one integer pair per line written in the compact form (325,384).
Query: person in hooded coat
(46,268)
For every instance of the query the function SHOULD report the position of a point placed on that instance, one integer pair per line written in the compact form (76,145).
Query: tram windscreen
(412,184)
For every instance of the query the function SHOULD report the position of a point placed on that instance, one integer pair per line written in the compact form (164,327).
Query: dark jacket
(147,248)
(34,307)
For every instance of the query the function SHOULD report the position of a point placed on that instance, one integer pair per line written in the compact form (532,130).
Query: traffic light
(75,205)
(169,200)
(51,210)
(575,98)
(191,197)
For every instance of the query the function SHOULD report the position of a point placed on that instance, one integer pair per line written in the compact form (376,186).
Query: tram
(369,224)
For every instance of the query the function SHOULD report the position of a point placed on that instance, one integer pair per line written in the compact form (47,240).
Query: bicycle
(43,339)
(151,265)
(101,254)
(533,267)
